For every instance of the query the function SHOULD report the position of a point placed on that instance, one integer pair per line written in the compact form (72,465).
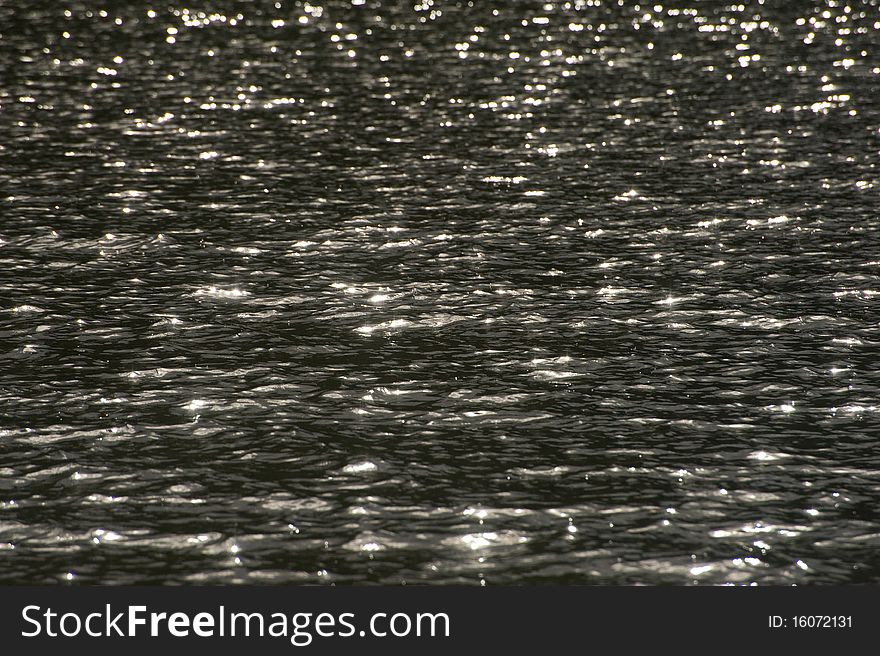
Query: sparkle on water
(442,291)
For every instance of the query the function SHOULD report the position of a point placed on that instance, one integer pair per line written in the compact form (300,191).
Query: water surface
(482,293)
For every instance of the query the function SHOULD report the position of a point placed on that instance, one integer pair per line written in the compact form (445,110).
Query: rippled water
(448,292)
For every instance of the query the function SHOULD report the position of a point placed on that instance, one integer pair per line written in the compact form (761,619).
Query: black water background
(599,313)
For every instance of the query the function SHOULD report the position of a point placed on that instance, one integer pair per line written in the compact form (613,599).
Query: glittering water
(439,292)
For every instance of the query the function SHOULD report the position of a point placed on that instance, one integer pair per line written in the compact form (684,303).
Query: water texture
(447,292)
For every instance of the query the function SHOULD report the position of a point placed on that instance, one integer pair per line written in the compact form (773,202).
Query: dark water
(580,292)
